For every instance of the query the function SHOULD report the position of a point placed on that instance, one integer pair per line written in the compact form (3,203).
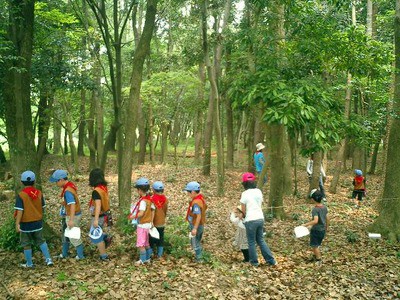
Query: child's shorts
(316,237)
(142,239)
(358,194)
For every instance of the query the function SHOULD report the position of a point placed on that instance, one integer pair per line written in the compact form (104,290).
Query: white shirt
(142,207)
(252,199)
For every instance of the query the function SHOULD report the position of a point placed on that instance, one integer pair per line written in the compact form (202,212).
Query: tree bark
(141,51)
(388,222)
(16,93)
(82,124)
(276,135)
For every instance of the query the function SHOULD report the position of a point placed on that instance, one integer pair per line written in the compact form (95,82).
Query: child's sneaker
(140,262)
(79,258)
(61,256)
(27,266)
(49,262)
(105,258)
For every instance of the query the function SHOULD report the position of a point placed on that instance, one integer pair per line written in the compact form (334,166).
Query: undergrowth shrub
(176,240)
(352,237)
(9,238)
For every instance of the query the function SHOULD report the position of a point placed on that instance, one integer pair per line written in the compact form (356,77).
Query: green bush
(176,240)
(9,238)
(352,237)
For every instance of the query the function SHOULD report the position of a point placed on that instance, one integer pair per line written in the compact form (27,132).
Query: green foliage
(176,238)
(9,238)
(125,226)
(351,236)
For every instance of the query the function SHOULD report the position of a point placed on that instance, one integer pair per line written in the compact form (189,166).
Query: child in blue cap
(196,216)
(160,202)
(71,212)
(359,187)
(29,209)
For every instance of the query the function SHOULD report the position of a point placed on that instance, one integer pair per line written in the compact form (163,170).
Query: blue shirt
(28,226)
(196,210)
(259,161)
(70,199)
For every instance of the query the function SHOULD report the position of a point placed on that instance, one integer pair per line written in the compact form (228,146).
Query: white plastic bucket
(374,235)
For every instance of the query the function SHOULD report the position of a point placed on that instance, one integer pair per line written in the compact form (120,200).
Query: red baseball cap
(248,177)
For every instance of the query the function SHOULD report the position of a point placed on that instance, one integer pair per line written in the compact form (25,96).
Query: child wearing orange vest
(99,207)
(196,216)
(71,209)
(29,208)
(161,204)
(143,213)
(359,187)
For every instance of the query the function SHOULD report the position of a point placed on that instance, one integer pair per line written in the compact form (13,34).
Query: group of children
(29,210)
(150,211)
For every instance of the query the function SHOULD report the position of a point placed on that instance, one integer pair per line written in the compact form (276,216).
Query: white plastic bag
(301,231)
(73,233)
(154,233)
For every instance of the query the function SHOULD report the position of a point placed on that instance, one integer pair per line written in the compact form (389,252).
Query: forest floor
(353,266)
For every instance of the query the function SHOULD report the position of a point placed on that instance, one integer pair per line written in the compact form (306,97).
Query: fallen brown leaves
(366,269)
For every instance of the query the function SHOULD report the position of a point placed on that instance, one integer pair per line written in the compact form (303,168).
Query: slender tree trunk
(164,141)
(57,147)
(198,126)
(142,50)
(45,106)
(82,124)
(374,158)
(142,133)
(341,155)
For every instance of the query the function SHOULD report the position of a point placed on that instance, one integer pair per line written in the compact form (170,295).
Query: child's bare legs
(317,253)
(102,248)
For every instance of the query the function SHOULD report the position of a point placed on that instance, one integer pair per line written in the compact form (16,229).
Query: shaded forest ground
(354,266)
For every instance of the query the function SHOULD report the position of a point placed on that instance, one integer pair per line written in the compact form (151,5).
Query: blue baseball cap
(358,172)
(28,176)
(192,186)
(141,182)
(57,175)
(158,185)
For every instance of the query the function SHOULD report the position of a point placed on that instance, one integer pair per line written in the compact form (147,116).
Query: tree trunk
(82,124)
(341,155)
(16,93)
(198,126)
(374,158)
(45,106)
(276,135)
(142,133)
(164,141)
(141,51)
(388,222)
(317,161)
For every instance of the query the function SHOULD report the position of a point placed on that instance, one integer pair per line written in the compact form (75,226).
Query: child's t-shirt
(321,212)
(253,199)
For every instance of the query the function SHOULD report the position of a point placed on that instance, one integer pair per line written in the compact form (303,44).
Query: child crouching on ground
(319,224)
(240,241)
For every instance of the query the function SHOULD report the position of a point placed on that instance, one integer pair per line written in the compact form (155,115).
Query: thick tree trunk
(276,136)
(16,93)
(388,222)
